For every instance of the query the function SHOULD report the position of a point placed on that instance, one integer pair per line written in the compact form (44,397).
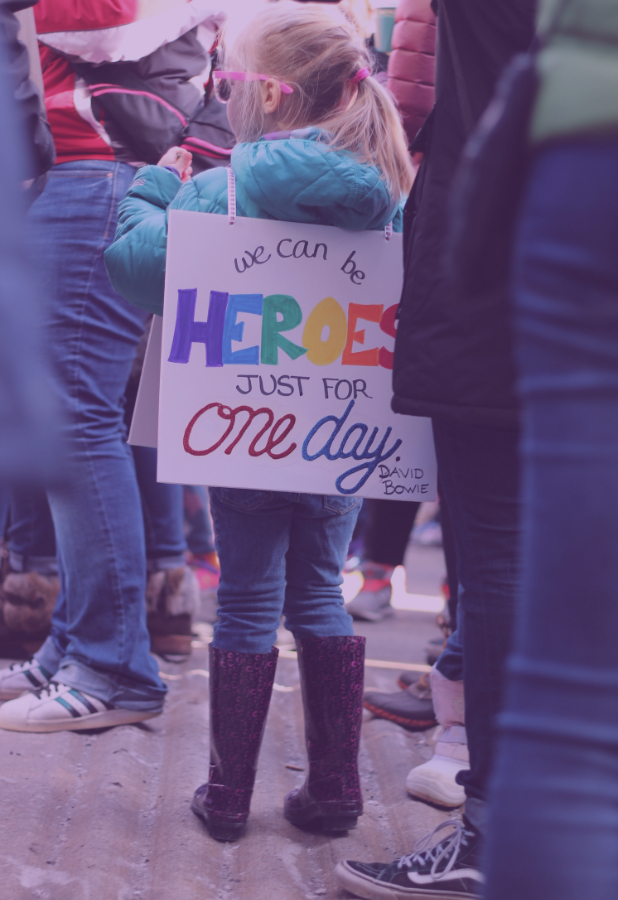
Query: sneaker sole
(107,719)
(371,616)
(434,799)
(369,889)
(410,724)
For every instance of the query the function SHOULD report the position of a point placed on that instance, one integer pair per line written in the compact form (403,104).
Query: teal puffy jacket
(293,177)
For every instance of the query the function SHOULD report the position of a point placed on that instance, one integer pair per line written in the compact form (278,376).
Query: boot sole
(107,719)
(367,888)
(227,832)
(325,823)
(410,724)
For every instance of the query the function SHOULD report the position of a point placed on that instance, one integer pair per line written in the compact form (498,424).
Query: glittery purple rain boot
(240,689)
(331,671)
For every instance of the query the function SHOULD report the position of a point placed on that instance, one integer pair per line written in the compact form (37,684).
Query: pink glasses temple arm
(252,76)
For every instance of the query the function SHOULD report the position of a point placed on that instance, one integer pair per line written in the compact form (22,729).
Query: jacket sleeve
(40,145)
(135,262)
(412,63)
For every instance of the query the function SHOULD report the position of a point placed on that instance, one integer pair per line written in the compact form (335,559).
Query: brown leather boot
(172,599)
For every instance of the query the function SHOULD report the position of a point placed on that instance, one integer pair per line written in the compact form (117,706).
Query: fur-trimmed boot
(27,602)
(240,689)
(332,672)
(172,601)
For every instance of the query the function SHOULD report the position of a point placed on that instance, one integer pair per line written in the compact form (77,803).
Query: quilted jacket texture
(295,178)
(411,66)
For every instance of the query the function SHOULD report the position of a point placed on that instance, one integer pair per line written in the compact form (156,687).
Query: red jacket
(411,65)
(150,67)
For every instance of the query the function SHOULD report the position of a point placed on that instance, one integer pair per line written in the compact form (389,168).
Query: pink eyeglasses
(223,87)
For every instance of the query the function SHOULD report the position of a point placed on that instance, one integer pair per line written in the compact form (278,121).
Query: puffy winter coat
(579,71)
(123,79)
(453,359)
(296,178)
(411,66)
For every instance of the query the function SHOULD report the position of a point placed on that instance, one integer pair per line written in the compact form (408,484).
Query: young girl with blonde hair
(320,142)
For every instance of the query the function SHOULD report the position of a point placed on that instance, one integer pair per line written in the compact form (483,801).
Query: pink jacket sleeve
(412,62)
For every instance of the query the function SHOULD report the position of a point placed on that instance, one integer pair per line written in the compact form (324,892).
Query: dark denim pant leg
(252,530)
(268,542)
(321,532)
(163,513)
(93,334)
(553,830)
(200,537)
(31,535)
(479,477)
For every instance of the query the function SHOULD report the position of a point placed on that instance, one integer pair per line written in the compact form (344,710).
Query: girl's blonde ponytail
(318,52)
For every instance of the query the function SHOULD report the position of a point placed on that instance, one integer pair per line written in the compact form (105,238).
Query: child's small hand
(180,160)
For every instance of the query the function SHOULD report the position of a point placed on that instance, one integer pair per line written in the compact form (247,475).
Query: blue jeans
(99,641)
(31,535)
(450,662)
(163,516)
(554,802)
(479,479)
(280,553)
(200,539)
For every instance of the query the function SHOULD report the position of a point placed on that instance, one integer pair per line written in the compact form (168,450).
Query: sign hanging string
(231,195)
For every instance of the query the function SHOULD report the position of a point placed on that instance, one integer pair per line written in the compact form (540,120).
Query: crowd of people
(143,108)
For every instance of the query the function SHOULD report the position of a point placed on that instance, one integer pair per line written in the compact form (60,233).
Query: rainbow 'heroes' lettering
(280,313)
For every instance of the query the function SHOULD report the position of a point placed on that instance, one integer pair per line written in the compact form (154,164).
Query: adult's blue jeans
(479,480)
(31,535)
(200,538)
(554,800)
(163,514)
(32,538)
(280,554)
(99,641)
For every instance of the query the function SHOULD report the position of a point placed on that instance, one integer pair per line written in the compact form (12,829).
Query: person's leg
(479,479)
(387,531)
(320,533)
(30,586)
(93,334)
(252,531)
(553,827)
(252,535)
(172,591)
(479,476)
(200,537)
(331,662)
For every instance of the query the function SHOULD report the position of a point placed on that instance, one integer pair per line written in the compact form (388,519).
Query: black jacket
(453,360)
(30,111)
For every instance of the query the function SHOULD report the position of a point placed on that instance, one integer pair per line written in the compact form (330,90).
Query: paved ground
(105,816)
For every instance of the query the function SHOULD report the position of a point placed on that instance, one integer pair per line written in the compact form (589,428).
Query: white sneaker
(434,781)
(59,707)
(20,677)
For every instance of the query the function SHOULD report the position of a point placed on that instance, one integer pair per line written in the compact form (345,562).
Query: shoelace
(52,686)
(18,667)
(448,845)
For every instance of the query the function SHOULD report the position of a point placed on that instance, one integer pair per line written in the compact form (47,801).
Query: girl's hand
(180,160)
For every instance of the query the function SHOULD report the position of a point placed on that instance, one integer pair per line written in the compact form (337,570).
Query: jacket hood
(296,176)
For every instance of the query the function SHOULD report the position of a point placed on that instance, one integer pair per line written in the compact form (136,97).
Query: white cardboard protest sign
(276,361)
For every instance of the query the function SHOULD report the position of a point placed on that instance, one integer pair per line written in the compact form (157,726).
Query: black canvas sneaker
(450,870)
